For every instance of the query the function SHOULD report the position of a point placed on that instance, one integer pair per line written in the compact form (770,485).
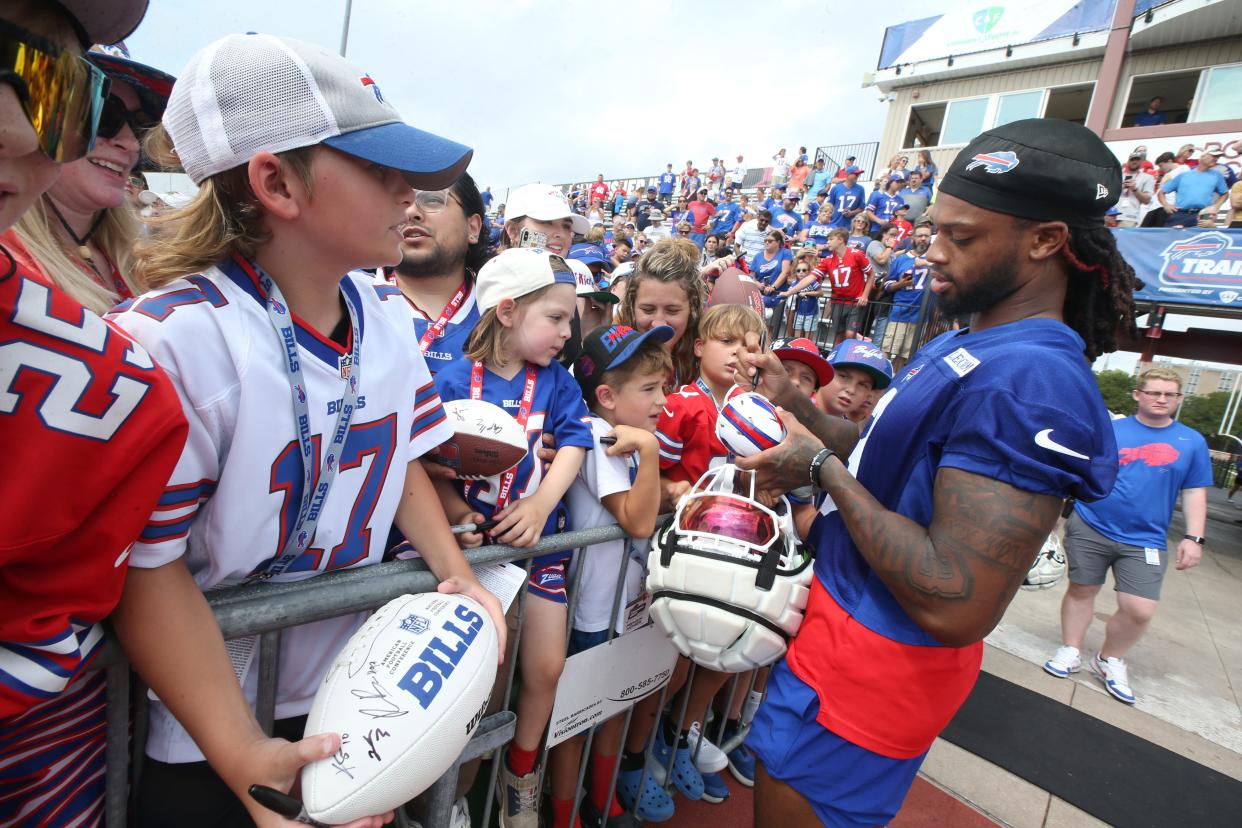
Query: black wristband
(1199,539)
(817,462)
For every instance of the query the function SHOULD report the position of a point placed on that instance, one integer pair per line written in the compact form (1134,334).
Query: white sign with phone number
(605,680)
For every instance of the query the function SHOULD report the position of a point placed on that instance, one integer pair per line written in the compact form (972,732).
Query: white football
(749,424)
(405,694)
(486,440)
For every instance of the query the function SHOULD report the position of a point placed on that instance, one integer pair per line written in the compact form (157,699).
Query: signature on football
(378,704)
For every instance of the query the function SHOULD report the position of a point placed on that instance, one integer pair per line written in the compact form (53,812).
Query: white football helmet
(1049,567)
(728,577)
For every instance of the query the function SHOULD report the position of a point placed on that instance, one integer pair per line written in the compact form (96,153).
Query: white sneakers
(708,758)
(1063,662)
(1111,671)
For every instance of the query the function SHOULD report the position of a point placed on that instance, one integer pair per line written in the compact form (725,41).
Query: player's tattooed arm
(956,577)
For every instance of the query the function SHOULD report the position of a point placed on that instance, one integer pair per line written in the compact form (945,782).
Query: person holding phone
(543,212)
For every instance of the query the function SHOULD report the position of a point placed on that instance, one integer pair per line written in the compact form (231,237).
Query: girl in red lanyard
(527,298)
(81,233)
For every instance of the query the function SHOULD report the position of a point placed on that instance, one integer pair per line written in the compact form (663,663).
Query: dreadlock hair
(1099,295)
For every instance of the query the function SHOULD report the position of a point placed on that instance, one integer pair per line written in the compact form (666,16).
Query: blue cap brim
(660,333)
(428,161)
(152,85)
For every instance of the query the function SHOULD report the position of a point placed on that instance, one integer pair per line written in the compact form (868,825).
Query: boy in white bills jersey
(307,397)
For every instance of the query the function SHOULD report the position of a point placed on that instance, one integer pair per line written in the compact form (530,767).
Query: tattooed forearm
(956,577)
(837,434)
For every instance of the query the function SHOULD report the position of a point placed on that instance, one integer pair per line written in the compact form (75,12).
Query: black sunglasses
(116,115)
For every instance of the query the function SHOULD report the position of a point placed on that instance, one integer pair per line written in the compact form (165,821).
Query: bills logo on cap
(616,336)
(368,81)
(994,162)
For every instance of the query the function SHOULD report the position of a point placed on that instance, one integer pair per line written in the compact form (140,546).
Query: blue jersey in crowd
(883,206)
(668,180)
(1155,465)
(845,198)
(766,271)
(725,218)
(818,233)
(785,221)
(907,300)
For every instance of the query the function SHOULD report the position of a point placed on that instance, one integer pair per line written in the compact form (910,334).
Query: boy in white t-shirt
(622,373)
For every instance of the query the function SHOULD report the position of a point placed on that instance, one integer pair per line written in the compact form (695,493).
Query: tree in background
(1204,413)
(1115,388)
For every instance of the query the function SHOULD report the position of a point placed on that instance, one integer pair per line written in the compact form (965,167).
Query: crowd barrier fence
(267,609)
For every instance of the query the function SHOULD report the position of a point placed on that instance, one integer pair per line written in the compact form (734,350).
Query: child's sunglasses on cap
(62,93)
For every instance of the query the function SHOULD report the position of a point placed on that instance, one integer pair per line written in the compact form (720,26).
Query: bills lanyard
(528,395)
(707,392)
(435,329)
(311,507)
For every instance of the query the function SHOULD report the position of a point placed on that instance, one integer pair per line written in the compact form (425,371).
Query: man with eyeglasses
(1127,531)
(77,395)
(442,248)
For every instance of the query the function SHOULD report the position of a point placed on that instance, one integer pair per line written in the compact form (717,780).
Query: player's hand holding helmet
(728,577)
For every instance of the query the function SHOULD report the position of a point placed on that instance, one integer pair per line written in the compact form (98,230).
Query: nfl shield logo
(415,624)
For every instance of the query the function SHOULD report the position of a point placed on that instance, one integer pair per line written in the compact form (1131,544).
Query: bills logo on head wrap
(368,81)
(994,162)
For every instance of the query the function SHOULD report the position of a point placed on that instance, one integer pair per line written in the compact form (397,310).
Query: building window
(1221,97)
(1018,106)
(1226,382)
(947,123)
(964,120)
(1192,381)
(1212,93)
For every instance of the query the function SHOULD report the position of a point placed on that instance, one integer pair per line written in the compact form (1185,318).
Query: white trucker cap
(244,94)
(543,202)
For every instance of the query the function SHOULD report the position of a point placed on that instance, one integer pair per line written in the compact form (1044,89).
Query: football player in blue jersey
(956,482)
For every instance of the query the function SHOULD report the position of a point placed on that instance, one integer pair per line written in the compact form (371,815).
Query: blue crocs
(715,789)
(654,803)
(686,777)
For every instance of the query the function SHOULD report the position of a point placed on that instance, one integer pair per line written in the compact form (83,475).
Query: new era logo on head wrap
(367,80)
(1100,192)
(994,162)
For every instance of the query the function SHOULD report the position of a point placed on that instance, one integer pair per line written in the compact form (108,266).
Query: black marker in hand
(283,804)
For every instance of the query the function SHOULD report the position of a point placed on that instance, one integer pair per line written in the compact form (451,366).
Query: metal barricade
(267,609)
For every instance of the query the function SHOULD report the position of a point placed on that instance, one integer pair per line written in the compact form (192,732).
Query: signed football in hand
(486,440)
(733,287)
(405,694)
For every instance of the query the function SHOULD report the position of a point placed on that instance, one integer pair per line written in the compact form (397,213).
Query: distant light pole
(349,5)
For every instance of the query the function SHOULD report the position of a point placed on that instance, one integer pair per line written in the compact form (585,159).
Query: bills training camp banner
(1186,267)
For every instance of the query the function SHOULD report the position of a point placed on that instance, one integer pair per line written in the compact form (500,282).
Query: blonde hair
(224,217)
(650,358)
(489,341)
(732,320)
(1166,374)
(672,261)
(115,236)
(595,235)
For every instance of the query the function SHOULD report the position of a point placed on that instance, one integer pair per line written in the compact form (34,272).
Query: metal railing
(266,609)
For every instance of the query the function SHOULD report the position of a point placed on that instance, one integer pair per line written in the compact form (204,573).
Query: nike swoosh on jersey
(1044,440)
(667,413)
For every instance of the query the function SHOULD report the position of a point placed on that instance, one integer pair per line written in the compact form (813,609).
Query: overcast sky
(561,91)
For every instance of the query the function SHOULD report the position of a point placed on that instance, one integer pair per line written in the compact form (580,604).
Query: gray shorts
(845,317)
(1091,555)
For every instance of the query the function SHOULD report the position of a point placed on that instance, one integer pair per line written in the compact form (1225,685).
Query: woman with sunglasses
(95,429)
(81,233)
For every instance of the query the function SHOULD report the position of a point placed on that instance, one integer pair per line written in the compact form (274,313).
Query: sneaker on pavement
(1116,678)
(742,765)
(686,777)
(653,802)
(519,797)
(1063,662)
(715,789)
(708,758)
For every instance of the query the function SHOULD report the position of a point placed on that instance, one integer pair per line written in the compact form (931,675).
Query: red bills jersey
(848,274)
(687,434)
(92,429)
(599,191)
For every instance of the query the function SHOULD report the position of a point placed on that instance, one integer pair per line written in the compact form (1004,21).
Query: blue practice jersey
(907,300)
(818,233)
(557,408)
(1155,465)
(786,222)
(450,345)
(845,198)
(668,180)
(1016,403)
